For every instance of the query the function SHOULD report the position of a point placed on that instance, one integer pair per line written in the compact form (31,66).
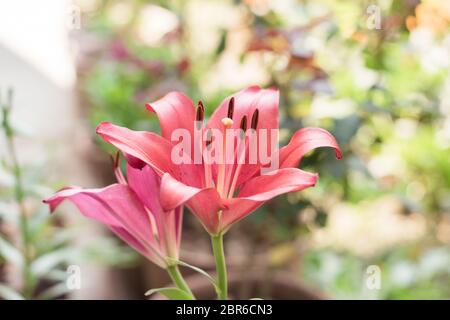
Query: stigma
(227,122)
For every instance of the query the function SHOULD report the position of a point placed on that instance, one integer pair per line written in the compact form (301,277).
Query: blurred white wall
(36,60)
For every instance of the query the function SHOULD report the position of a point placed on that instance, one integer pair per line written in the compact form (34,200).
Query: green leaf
(9,293)
(54,292)
(11,253)
(8,211)
(49,261)
(171,293)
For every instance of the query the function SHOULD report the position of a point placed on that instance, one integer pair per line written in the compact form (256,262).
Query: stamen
(209,138)
(239,156)
(115,160)
(206,160)
(230,108)
(153,224)
(243,126)
(237,172)
(221,175)
(255,118)
(116,166)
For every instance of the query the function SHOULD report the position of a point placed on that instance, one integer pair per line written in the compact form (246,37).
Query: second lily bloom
(131,209)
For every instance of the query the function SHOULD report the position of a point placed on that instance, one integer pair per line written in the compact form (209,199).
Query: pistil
(227,124)
(222,169)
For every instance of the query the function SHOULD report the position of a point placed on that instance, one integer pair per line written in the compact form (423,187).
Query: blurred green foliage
(382,92)
(35,248)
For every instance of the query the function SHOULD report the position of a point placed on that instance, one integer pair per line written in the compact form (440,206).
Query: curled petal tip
(254,87)
(50,203)
(101,126)
(315,179)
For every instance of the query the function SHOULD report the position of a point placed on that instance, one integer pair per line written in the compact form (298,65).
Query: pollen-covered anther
(227,123)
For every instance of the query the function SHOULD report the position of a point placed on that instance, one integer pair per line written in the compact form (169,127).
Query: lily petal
(245,103)
(175,111)
(303,141)
(146,184)
(263,188)
(128,238)
(178,221)
(117,207)
(150,148)
(134,162)
(204,203)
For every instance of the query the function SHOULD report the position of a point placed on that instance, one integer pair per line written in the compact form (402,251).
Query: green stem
(221,267)
(23,220)
(178,279)
(19,194)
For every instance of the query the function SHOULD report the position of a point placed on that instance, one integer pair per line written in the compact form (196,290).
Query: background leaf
(9,293)
(171,293)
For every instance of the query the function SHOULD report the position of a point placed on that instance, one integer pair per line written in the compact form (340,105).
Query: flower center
(231,157)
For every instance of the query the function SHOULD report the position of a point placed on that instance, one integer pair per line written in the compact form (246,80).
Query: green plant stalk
(221,267)
(178,279)
(19,195)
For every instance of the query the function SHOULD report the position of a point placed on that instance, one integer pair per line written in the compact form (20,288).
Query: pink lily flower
(220,194)
(131,209)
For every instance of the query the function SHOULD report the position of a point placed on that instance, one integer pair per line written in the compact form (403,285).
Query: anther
(208,138)
(230,108)
(200,111)
(200,115)
(243,126)
(255,118)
